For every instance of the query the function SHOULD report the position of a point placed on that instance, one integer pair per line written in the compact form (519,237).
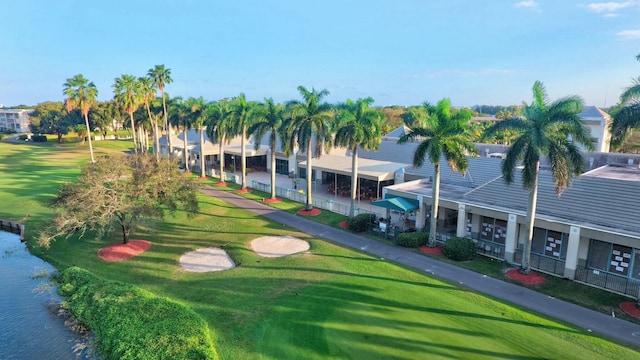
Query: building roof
(598,199)
(367,169)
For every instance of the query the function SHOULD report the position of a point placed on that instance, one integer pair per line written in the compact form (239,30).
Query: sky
(399,52)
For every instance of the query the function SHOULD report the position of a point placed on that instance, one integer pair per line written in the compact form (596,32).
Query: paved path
(589,320)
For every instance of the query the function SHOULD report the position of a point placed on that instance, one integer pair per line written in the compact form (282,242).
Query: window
(613,258)
(549,243)
(494,230)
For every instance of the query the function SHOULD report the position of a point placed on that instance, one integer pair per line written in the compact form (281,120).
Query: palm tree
(240,115)
(219,128)
(545,129)
(160,77)
(268,117)
(200,112)
(181,118)
(445,133)
(127,93)
(358,126)
(81,94)
(148,93)
(626,116)
(310,120)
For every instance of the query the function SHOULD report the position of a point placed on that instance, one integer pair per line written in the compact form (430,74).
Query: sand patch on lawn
(206,260)
(277,246)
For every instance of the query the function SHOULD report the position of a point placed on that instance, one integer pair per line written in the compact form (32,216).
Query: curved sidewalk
(588,320)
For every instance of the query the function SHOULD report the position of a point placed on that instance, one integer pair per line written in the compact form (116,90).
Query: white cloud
(610,7)
(527,4)
(458,73)
(629,34)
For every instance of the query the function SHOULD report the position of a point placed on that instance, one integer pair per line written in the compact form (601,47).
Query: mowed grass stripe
(329,303)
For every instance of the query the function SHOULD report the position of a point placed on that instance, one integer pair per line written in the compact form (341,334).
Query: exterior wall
(15,120)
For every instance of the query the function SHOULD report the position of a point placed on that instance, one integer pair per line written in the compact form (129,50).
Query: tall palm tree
(626,116)
(181,119)
(311,120)
(219,128)
(148,93)
(268,118)
(160,77)
(240,115)
(200,112)
(127,93)
(81,94)
(545,129)
(358,126)
(444,133)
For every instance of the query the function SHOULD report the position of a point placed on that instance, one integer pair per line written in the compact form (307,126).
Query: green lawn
(329,303)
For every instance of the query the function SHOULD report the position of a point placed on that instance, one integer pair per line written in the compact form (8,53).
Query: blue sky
(400,52)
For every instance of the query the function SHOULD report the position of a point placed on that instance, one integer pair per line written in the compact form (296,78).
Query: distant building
(16,120)
(598,123)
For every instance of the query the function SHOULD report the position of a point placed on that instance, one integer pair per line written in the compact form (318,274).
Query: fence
(543,263)
(608,281)
(301,197)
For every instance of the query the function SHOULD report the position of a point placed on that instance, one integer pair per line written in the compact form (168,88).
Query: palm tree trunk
(86,122)
(354,180)
(309,205)
(185,152)
(221,157)
(167,128)
(133,132)
(203,174)
(156,139)
(531,217)
(243,156)
(433,223)
(273,169)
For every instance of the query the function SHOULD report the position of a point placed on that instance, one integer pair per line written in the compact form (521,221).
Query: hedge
(131,323)
(412,239)
(459,249)
(361,222)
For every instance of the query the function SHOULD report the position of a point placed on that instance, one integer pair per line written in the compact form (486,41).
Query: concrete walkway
(586,319)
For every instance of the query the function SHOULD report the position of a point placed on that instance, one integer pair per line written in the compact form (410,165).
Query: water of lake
(29,326)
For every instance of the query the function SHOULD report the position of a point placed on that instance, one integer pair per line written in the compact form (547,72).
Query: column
(573,245)
(420,214)
(511,242)
(461,226)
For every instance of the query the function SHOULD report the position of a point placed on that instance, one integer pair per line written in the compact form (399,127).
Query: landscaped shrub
(361,222)
(39,138)
(131,323)
(412,240)
(459,249)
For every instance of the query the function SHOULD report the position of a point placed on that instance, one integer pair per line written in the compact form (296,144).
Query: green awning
(397,203)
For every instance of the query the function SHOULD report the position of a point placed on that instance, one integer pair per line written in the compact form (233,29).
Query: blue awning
(397,203)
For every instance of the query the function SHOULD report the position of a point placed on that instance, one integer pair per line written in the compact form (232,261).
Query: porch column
(511,241)
(461,226)
(420,214)
(573,245)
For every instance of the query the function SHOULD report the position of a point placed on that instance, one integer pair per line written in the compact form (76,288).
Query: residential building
(15,120)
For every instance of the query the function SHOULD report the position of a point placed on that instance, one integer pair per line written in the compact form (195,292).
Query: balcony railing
(606,280)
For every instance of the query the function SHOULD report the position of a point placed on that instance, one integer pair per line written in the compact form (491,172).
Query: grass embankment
(328,303)
(130,323)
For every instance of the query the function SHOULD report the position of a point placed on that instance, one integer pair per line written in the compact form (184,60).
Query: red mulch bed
(221,183)
(431,250)
(119,252)
(344,225)
(271,201)
(243,191)
(312,212)
(532,279)
(630,308)
(187,173)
